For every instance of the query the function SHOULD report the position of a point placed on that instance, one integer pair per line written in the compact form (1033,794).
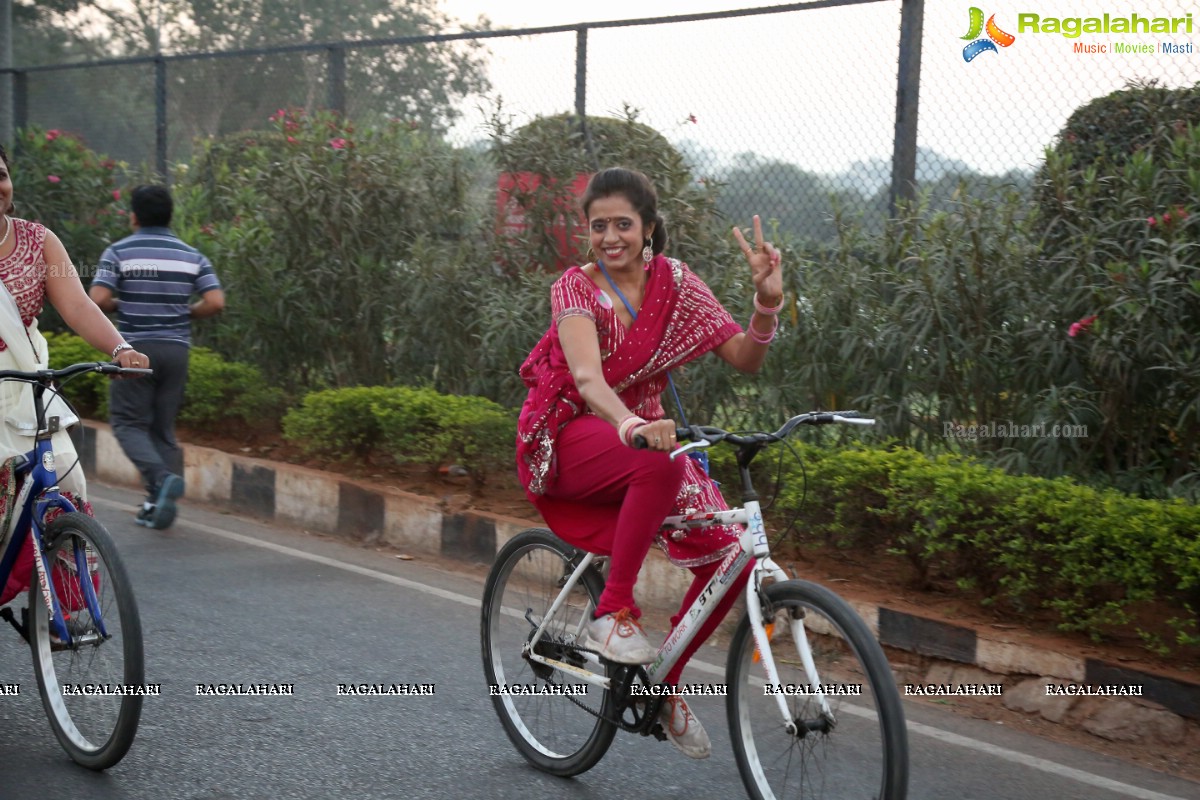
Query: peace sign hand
(764,262)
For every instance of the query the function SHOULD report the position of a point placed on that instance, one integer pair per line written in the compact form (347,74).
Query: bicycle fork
(768,568)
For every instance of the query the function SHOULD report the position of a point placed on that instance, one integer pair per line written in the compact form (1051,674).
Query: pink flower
(692,119)
(53,178)
(53,134)
(338,143)
(1080,326)
(291,139)
(1166,218)
(116,194)
(1151,221)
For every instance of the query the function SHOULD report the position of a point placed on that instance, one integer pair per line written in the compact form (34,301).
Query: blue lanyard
(632,313)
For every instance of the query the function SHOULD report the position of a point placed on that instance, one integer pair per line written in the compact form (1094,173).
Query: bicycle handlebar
(47,375)
(709,435)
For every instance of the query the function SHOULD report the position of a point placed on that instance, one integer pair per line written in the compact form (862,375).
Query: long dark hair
(638,190)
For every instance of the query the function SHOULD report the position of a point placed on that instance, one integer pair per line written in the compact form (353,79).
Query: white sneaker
(618,637)
(683,729)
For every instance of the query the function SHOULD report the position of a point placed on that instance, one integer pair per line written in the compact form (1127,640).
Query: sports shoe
(145,516)
(618,637)
(683,729)
(163,513)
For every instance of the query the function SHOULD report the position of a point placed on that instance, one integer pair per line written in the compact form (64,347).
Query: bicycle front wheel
(557,733)
(851,741)
(91,686)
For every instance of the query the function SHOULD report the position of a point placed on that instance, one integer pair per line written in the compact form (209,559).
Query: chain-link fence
(796,109)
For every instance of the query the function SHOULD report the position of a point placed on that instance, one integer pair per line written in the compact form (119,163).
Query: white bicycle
(812,704)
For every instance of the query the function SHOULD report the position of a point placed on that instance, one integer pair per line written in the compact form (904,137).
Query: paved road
(225,599)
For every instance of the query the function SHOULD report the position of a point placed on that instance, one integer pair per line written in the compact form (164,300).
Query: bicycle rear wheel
(855,747)
(95,724)
(561,735)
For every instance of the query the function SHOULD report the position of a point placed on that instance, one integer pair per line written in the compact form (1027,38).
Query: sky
(818,87)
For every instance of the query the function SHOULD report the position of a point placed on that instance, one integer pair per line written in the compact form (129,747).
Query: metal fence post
(581,44)
(336,64)
(20,101)
(908,84)
(7,130)
(160,116)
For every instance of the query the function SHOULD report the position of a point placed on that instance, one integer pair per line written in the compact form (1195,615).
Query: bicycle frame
(39,494)
(752,542)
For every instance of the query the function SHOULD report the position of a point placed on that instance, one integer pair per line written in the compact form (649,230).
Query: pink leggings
(614,499)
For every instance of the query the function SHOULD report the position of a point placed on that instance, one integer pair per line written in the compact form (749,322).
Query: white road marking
(948,737)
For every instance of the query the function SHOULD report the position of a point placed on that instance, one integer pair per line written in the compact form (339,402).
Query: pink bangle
(768,312)
(626,428)
(763,338)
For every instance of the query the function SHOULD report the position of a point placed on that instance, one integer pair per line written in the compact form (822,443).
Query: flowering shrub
(60,182)
(310,225)
(1118,243)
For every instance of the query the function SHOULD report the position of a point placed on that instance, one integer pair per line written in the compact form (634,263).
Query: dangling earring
(647,253)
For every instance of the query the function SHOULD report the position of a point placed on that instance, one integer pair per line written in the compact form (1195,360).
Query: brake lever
(678,451)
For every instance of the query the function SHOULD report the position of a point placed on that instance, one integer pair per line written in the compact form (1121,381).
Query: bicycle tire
(96,730)
(861,750)
(553,733)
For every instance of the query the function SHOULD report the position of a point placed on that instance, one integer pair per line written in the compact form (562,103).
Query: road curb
(325,502)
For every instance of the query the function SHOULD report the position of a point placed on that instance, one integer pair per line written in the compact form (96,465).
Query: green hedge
(406,425)
(219,393)
(1096,561)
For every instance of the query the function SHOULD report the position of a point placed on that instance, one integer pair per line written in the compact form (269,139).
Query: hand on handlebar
(132,359)
(658,435)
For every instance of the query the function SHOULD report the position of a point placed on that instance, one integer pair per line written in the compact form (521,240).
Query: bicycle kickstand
(22,626)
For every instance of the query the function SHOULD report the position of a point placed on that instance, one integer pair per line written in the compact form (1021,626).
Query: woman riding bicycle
(35,266)
(595,383)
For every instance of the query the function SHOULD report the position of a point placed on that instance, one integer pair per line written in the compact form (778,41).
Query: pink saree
(680,320)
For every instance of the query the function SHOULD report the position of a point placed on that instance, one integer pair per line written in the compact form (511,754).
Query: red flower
(1166,218)
(53,134)
(1080,326)
(1151,221)
(53,178)
(116,194)
(108,163)
(338,143)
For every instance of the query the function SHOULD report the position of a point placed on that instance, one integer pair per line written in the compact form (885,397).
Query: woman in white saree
(34,267)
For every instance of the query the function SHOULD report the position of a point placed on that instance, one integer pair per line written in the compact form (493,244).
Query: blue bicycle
(81,620)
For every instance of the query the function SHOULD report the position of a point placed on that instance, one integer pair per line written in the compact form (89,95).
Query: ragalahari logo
(995,36)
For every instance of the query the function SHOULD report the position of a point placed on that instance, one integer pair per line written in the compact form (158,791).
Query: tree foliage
(419,83)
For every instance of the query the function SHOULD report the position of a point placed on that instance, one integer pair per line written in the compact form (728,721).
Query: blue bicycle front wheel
(93,680)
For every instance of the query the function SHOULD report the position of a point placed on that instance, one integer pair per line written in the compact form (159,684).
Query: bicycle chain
(620,723)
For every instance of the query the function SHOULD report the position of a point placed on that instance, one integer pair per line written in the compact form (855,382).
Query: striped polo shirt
(154,274)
